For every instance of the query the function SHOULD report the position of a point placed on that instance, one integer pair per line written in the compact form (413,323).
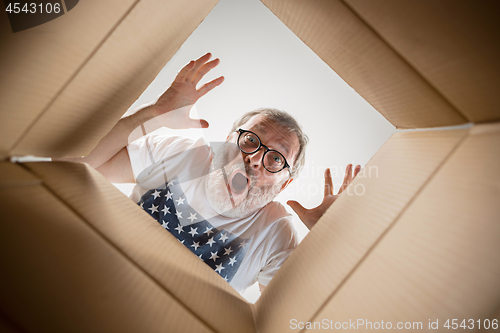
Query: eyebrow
(279,142)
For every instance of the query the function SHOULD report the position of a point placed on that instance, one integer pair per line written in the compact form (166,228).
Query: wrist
(159,109)
(154,111)
(143,115)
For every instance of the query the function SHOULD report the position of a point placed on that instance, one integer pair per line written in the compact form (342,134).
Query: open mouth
(238,183)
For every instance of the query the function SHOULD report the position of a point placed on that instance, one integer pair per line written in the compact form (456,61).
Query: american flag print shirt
(217,248)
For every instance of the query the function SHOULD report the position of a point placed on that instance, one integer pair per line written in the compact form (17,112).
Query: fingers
(195,70)
(297,208)
(347,178)
(185,71)
(204,70)
(210,85)
(197,65)
(328,183)
(357,170)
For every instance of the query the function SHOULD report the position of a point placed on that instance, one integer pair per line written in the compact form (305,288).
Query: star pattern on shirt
(192,217)
(166,210)
(153,208)
(218,248)
(169,195)
(179,228)
(223,238)
(219,268)
(156,194)
(227,251)
(193,231)
(211,241)
(196,245)
(214,256)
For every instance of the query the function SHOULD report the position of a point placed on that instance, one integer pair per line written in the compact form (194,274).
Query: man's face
(239,184)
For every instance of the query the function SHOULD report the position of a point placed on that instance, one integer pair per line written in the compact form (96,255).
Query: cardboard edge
(70,211)
(485,128)
(390,227)
(21,147)
(417,72)
(31,166)
(461,137)
(63,86)
(452,122)
(117,249)
(17,176)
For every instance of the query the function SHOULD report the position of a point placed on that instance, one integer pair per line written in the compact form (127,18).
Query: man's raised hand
(311,216)
(174,105)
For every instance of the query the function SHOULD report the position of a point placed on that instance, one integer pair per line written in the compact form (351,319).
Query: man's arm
(115,141)
(118,169)
(110,156)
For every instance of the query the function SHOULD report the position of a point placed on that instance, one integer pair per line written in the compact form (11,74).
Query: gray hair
(283,120)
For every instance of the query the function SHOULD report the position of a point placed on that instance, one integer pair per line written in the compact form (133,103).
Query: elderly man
(219,205)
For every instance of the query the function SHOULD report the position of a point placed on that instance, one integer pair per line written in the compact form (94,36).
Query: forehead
(273,135)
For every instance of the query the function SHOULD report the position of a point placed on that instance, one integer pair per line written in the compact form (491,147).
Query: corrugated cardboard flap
(352,226)
(59,275)
(153,250)
(440,260)
(12,175)
(67,82)
(454,45)
(418,64)
(41,61)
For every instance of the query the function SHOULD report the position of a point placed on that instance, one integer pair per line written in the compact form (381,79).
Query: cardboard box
(421,245)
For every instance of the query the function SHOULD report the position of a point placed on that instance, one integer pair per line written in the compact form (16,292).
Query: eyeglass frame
(267,149)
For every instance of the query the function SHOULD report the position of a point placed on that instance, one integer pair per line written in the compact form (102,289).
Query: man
(218,205)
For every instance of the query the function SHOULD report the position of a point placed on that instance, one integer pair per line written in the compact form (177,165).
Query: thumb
(297,208)
(198,123)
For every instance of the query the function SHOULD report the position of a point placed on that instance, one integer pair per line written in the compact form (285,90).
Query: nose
(255,160)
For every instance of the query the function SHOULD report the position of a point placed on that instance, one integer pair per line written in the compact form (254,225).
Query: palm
(184,93)
(311,216)
(175,104)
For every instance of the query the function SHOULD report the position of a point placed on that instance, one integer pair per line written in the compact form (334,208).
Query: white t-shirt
(171,173)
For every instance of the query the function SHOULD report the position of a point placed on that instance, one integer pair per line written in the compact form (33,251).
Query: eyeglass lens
(249,143)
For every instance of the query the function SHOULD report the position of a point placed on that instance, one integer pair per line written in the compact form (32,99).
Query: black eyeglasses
(272,160)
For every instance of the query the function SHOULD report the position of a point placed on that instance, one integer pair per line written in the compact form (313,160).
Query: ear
(285,184)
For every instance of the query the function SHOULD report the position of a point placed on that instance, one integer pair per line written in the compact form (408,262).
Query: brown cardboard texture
(421,244)
(65,104)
